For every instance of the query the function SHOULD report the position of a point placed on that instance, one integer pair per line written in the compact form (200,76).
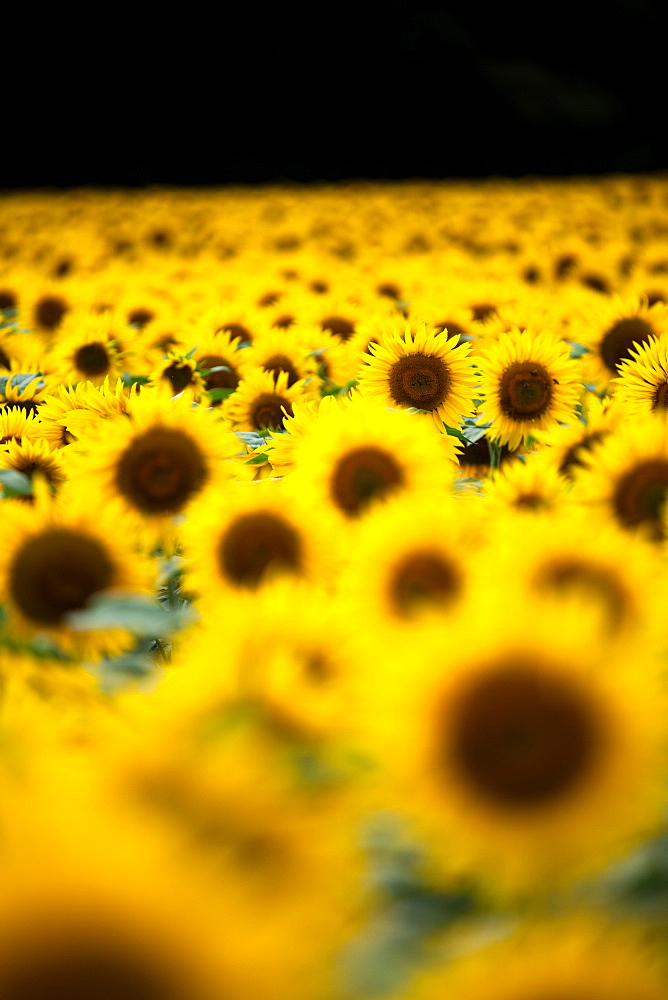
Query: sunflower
(97,916)
(276,352)
(34,457)
(241,539)
(528,382)
(178,373)
(156,459)
(642,385)
(527,757)
(475,459)
(55,558)
(22,394)
(263,400)
(72,411)
(288,652)
(304,417)
(626,475)
(424,370)
(529,486)
(219,361)
(87,351)
(360,454)
(411,556)
(612,332)
(575,957)
(571,442)
(558,558)
(16,424)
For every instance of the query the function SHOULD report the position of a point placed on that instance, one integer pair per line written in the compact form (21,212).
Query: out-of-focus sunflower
(411,557)
(359,455)
(422,369)
(527,383)
(527,757)
(220,362)
(570,443)
(87,352)
(301,422)
(263,400)
(56,558)
(243,538)
(577,956)
(561,560)
(178,373)
(530,486)
(277,352)
(612,331)
(101,919)
(626,476)
(156,459)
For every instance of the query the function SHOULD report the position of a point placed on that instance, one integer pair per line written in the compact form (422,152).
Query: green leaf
(257,460)
(251,438)
(20,381)
(191,352)
(577,350)
(130,380)
(15,483)
(133,612)
(210,371)
(454,432)
(216,394)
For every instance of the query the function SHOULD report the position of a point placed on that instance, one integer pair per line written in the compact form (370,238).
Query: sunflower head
(528,382)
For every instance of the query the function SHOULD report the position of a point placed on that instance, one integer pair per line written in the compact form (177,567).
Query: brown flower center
(452,329)
(640,495)
(573,457)
(57,571)
(661,397)
(284,322)
(49,311)
(525,390)
(267,412)
(228,379)
(477,453)
(482,311)
(339,326)
(160,471)
(92,359)
(420,380)
(237,331)
(278,363)
(363,475)
(521,739)
(423,577)
(569,575)
(179,375)
(257,543)
(622,336)
(80,970)
(140,316)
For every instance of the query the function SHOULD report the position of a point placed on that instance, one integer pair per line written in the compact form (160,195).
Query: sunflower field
(333,589)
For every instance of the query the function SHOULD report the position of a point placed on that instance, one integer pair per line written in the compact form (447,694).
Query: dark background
(384,91)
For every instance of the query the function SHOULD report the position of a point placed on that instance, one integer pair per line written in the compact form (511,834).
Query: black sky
(407,90)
